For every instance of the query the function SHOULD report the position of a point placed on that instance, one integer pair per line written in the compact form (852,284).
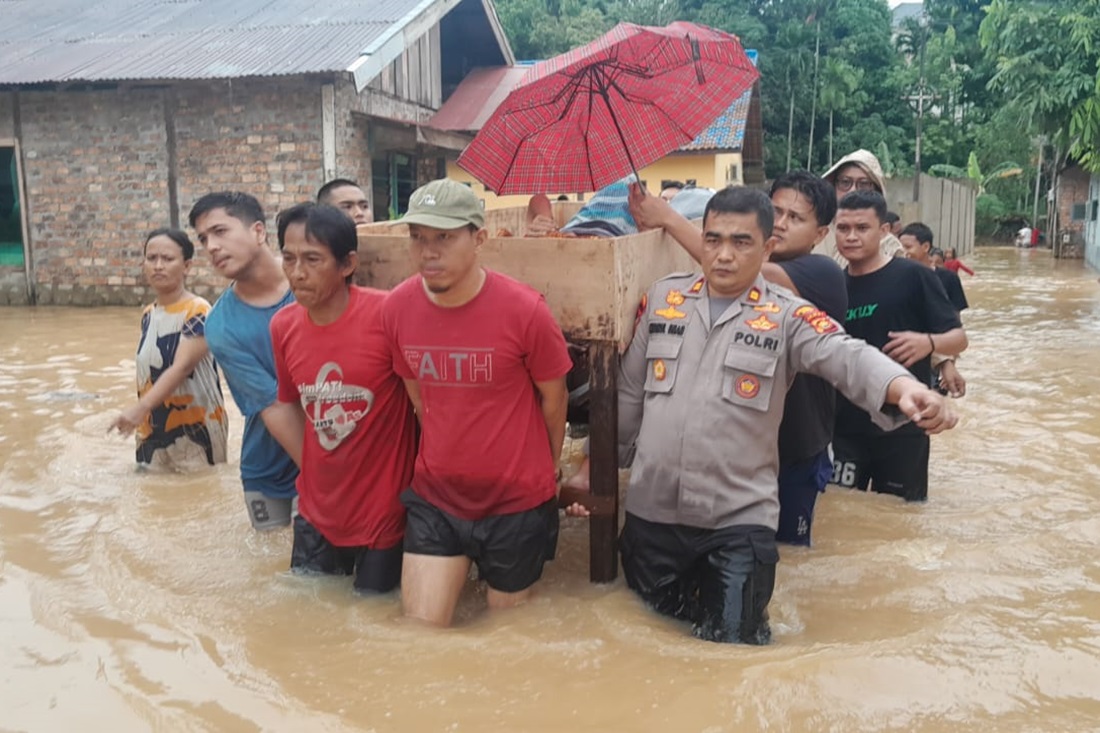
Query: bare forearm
(286,423)
(687,234)
(951,343)
(553,414)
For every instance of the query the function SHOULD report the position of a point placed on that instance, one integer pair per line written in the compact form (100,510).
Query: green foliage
(1047,60)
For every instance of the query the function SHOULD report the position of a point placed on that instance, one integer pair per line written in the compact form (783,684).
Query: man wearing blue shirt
(230,225)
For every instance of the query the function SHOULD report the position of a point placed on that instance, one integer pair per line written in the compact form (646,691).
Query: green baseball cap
(444,204)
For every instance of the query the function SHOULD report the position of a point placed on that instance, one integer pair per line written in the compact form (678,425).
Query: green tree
(973,172)
(1047,60)
(839,81)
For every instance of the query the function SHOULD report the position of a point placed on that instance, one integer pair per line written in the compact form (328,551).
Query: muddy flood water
(141,602)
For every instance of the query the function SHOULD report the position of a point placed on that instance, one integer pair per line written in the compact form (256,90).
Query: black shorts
(375,570)
(887,464)
(508,549)
(720,580)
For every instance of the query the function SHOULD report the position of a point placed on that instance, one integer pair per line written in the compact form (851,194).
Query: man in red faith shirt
(484,363)
(338,391)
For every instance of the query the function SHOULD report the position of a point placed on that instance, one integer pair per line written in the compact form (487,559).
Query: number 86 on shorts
(844,474)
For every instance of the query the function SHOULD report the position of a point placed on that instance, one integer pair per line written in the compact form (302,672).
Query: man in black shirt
(805,206)
(901,307)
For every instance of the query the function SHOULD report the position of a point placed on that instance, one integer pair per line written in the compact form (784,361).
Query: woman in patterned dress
(179,418)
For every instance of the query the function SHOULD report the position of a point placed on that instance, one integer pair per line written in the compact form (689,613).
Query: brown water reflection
(144,602)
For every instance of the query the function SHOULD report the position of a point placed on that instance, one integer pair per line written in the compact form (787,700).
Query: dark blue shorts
(799,485)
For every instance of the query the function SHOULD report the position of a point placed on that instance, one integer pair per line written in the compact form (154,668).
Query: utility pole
(1038,178)
(920,112)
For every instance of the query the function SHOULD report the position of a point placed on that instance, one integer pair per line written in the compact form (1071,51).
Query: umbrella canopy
(587,118)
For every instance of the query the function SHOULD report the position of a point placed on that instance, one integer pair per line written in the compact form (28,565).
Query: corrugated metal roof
(111,40)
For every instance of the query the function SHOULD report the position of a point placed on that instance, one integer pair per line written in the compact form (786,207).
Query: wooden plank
(592,286)
(436,54)
(412,62)
(603,528)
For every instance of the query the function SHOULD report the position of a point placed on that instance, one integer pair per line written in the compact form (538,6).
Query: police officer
(702,389)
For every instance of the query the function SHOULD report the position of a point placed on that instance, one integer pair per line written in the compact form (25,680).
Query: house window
(11,208)
(1079,212)
(394,179)
(1095,205)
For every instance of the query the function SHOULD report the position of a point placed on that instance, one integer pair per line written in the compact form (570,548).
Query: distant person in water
(953,263)
(179,417)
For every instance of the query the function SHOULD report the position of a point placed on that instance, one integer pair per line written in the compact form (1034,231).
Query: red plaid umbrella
(585,119)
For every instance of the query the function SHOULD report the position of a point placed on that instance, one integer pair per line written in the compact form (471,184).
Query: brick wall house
(1073,213)
(101,160)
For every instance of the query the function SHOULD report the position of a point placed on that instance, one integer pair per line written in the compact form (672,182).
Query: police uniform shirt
(700,401)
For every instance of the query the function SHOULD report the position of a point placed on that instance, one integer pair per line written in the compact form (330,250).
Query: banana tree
(973,172)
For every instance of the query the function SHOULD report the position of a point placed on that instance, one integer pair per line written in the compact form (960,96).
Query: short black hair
(325,190)
(922,232)
(237,204)
(325,224)
(819,192)
(891,217)
(742,200)
(667,183)
(864,200)
(935,251)
(176,235)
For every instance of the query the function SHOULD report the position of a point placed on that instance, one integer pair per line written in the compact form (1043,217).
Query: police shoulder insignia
(754,295)
(818,319)
(697,286)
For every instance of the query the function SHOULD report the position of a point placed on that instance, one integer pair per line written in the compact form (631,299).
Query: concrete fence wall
(945,205)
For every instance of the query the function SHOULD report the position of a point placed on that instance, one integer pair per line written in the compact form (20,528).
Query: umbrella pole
(622,138)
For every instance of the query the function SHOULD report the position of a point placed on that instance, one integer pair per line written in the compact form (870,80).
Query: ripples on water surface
(135,602)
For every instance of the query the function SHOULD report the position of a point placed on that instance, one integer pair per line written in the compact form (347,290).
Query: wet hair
(325,225)
(742,200)
(237,204)
(921,232)
(819,192)
(857,200)
(176,235)
(324,191)
(891,218)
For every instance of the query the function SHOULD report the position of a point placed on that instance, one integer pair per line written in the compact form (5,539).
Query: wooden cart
(593,287)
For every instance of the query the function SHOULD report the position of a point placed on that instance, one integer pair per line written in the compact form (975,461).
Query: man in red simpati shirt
(335,368)
(484,363)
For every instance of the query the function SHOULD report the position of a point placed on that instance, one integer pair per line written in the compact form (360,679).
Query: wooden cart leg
(603,401)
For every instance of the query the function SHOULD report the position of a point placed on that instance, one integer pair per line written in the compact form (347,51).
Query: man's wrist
(931,343)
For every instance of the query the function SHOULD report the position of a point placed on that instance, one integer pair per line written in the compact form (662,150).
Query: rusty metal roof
(45,41)
(475,99)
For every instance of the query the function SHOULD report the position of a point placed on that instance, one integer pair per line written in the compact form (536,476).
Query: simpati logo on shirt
(333,407)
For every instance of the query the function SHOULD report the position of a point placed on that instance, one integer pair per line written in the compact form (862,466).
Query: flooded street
(135,601)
